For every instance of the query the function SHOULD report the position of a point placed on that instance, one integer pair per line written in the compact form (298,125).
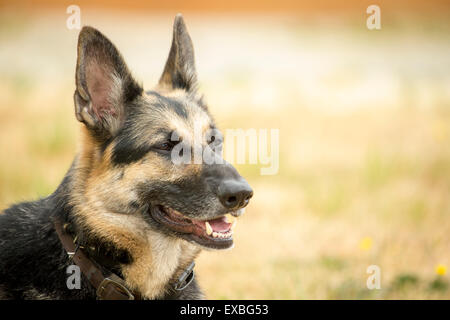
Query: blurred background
(363,116)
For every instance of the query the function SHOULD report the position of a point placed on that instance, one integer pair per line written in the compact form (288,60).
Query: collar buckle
(186,278)
(102,288)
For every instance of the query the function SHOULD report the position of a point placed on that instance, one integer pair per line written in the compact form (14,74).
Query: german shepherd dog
(128,206)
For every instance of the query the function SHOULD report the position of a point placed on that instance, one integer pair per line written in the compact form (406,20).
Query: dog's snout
(231,189)
(234,194)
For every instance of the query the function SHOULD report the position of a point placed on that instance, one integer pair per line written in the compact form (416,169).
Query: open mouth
(215,233)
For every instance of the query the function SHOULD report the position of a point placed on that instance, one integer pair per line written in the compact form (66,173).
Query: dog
(129,217)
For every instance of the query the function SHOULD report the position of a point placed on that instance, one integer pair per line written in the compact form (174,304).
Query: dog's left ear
(179,72)
(104,85)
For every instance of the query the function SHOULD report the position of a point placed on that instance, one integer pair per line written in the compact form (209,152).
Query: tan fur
(157,259)
(101,192)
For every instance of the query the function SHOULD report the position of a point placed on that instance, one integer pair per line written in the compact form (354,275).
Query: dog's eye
(165,146)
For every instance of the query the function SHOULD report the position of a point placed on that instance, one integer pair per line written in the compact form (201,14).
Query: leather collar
(111,286)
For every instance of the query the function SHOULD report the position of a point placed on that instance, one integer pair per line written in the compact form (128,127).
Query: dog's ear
(179,72)
(104,86)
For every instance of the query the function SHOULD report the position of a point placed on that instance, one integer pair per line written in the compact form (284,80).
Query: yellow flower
(365,244)
(441,269)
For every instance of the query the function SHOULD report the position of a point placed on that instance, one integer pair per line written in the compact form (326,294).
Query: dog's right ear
(179,71)
(104,85)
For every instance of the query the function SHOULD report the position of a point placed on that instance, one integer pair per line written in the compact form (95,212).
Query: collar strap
(111,287)
(107,288)
(185,279)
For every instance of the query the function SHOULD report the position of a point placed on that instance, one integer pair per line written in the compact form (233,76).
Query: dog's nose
(234,194)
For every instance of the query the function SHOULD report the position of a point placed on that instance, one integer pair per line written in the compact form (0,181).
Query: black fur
(33,262)
(174,105)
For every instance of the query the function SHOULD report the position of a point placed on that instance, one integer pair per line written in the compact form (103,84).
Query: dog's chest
(165,256)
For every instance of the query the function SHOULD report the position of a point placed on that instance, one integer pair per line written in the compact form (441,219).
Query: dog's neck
(147,260)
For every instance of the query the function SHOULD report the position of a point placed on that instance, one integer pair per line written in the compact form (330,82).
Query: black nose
(234,194)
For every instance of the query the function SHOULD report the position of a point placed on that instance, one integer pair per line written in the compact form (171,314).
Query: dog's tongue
(220,224)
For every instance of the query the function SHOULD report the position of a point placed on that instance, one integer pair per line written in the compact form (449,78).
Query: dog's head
(154,155)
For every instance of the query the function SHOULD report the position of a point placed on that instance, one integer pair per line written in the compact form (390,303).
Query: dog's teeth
(222,235)
(233,224)
(209,230)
